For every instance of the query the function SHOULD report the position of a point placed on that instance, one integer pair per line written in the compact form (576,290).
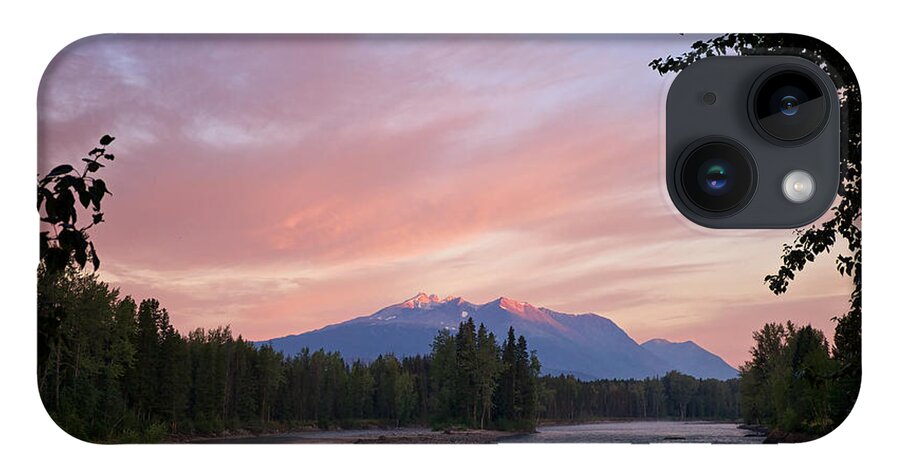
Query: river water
(607,432)
(640,432)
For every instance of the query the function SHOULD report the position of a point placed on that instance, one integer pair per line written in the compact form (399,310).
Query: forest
(794,383)
(113,370)
(118,371)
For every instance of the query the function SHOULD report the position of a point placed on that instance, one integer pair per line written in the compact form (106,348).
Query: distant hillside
(689,358)
(585,345)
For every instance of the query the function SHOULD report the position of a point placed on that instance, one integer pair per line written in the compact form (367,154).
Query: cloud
(281,184)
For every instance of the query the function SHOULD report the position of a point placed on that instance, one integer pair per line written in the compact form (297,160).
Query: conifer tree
(444,376)
(466,371)
(487,371)
(506,395)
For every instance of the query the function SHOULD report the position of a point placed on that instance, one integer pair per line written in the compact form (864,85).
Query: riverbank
(642,432)
(778,436)
(447,436)
(599,421)
(406,435)
(604,432)
(279,429)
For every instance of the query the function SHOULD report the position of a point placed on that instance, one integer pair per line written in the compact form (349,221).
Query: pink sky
(279,184)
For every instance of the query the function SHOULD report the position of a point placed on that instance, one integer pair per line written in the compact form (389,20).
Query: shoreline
(378,434)
(403,435)
(598,421)
(775,436)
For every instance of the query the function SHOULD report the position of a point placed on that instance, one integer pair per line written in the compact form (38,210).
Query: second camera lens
(789,105)
(717,176)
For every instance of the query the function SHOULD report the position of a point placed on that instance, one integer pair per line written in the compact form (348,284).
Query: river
(640,432)
(606,432)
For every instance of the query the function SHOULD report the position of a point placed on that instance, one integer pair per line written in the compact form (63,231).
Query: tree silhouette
(845,219)
(56,193)
(62,240)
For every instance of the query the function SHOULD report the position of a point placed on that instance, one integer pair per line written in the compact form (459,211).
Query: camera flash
(798,186)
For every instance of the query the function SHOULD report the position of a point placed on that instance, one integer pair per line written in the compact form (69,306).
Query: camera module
(753,141)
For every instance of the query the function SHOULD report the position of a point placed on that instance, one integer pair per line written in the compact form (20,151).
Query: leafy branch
(58,194)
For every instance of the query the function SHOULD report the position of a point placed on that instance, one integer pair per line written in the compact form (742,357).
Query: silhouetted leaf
(50,207)
(65,206)
(95,259)
(98,217)
(84,197)
(74,241)
(60,170)
(43,194)
(68,239)
(65,182)
(106,139)
(98,190)
(81,257)
(100,187)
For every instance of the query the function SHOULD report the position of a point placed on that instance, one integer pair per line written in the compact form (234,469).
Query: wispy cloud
(280,184)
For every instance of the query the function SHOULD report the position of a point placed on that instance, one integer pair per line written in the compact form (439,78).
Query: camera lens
(713,177)
(717,176)
(789,105)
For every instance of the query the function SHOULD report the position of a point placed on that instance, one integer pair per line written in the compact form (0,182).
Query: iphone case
(452,238)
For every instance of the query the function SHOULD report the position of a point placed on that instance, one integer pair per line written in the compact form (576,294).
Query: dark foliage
(62,239)
(674,396)
(788,384)
(58,194)
(119,371)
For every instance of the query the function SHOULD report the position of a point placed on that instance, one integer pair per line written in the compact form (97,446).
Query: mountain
(690,358)
(585,345)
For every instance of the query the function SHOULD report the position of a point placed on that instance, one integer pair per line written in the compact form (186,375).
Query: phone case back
(445,239)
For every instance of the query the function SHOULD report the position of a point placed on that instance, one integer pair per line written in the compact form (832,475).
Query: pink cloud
(280,185)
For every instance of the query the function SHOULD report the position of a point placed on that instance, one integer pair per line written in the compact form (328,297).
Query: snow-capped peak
(514,306)
(423,300)
(526,311)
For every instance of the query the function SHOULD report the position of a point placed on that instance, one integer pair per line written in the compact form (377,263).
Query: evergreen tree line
(673,396)
(793,383)
(118,370)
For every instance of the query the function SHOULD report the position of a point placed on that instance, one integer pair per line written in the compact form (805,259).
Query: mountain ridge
(690,358)
(587,345)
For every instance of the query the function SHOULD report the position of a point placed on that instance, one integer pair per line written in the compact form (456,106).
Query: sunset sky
(279,184)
